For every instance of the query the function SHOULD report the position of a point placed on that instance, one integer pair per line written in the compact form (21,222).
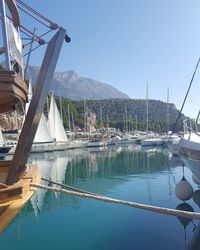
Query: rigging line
(40,36)
(32,50)
(37,38)
(33,11)
(25,33)
(191,81)
(32,16)
(25,29)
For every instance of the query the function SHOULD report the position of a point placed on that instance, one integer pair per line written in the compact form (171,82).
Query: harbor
(128,173)
(89,165)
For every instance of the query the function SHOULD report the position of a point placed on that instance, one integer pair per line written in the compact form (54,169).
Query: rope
(66,186)
(191,81)
(32,50)
(32,16)
(163,210)
(33,11)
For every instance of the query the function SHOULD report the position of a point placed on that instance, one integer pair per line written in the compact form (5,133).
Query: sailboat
(151,138)
(56,127)
(43,142)
(189,147)
(15,176)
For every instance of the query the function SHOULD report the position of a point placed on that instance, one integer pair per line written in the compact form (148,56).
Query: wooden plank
(17,202)
(32,119)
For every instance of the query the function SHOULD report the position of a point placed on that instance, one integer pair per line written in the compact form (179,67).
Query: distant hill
(114,111)
(69,85)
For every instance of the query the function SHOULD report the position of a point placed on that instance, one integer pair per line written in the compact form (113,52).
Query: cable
(188,90)
(33,11)
(32,16)
(32,50)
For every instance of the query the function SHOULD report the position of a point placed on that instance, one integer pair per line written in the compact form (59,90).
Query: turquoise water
(56,221)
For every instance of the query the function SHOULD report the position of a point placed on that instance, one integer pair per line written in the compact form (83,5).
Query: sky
(129,43)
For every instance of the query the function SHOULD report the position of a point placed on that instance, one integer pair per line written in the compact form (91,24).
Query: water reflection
(116,164)
(51,166)
(124,172)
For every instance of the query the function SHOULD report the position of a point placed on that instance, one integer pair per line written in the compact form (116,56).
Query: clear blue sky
(127,43)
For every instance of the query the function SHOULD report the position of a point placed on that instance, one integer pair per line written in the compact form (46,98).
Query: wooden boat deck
(12,90)
(13,197)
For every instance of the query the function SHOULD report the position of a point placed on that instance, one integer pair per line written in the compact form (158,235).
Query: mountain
(69,85)
(114,111)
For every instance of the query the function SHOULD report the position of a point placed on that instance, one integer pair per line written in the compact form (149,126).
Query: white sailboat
(56,127)
(189,148)
(151,139)
(43,141)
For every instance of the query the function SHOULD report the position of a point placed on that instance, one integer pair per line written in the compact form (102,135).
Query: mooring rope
(163,210)
(67,186)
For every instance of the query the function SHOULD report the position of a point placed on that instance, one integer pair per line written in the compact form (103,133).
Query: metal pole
(61,113)
(29,53)
(147,102)
(68,117)
(5,35)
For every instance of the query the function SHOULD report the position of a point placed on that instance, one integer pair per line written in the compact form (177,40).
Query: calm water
(56,221)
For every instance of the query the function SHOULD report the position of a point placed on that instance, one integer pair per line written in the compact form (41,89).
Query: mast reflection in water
(147,176)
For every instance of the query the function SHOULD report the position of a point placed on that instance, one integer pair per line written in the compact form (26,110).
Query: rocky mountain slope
(69,85)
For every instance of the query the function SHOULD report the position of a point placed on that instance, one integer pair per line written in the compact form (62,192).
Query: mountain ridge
(70,85)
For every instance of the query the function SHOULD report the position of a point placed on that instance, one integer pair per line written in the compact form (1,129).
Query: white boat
(126,138)
(77,144)
(4,147)
(173,144)
(152,142)
(96,143)
(189,149)
(114,140)
(56,127)
(151,138)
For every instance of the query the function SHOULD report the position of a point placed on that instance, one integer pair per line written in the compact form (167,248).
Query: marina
(82,164)
(127,173)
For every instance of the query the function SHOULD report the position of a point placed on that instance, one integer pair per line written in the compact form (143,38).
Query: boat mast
(136,120)
(85,116)
(147,103)
(167,111)
(61,111)
(68,114)
(126,122)
(72,121)
(101,122)
(5,35)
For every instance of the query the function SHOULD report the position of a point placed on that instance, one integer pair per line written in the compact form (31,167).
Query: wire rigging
(32,16)
(188,90)
(33,11)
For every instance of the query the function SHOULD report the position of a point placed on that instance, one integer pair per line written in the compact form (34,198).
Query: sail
(42,134)
(55,123)
(1,137)
(59,168)
(44,163)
